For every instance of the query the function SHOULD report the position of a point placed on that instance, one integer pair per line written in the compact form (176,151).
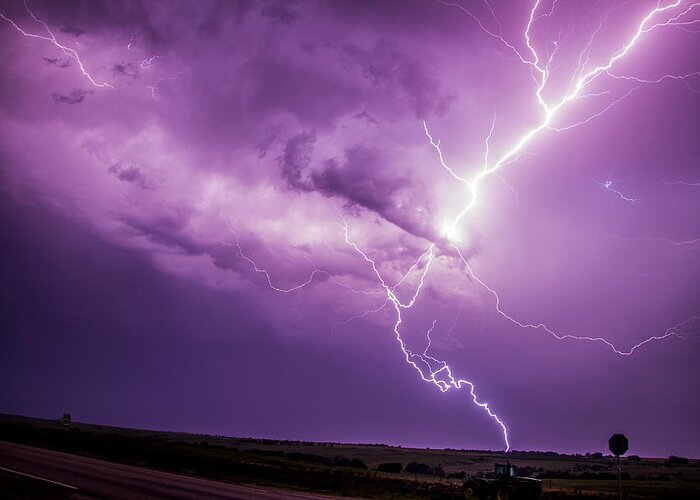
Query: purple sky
(194,194)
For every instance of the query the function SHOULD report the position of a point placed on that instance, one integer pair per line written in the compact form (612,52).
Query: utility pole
(619,482)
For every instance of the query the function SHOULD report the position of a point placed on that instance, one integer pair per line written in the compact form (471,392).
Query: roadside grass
(351,469)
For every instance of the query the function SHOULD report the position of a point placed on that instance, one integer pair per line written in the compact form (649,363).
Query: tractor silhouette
(504,486)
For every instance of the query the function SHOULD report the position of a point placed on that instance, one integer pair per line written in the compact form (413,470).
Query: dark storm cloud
(125,69)
(387,66)
(75,97)
(366,117)
(358,178)
(76,32)
(211,19)
(284,84)
(80,17)
(282,11)
(130,174)
(263,146)
(166,229)
(295,160)
(59,63)
(326,99)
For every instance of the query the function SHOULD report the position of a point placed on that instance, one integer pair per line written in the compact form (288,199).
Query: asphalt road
(28,472)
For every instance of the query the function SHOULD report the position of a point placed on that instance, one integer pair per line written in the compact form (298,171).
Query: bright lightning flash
(541,73)
(430,368)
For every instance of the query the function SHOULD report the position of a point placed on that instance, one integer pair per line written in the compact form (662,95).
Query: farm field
(360,470)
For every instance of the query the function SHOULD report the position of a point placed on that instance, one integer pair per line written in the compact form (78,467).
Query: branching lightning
(155,86)
(312,276)
(440,375)
(541,73)
(145,63)
(430,368)
(609,185)
(69,52)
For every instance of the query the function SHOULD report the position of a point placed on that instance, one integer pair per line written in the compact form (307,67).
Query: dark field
(352,470)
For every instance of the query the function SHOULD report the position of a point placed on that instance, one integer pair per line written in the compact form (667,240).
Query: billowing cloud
(58,62)
(277,151)
(74,97)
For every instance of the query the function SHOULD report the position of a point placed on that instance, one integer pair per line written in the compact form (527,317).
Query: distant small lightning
(678,243)
(360,316)
(155,86)
(71,53)
(683,183)
(265,273)
(609,185)
(315,272)
(145,63)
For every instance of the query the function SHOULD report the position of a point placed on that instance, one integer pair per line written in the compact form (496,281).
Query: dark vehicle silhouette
(504,486)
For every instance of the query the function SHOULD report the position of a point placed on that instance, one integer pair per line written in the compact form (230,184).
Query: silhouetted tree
(674,460)
(421,468)
(394,467)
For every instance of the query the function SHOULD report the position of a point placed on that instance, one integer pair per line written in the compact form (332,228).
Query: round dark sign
(618,444)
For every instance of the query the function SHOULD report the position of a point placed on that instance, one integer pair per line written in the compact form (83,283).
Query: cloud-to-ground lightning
(69,52)
(396,296)
(430,368)
(421,362)
(541,74)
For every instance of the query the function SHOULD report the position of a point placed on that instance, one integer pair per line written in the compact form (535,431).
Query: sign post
(618,445)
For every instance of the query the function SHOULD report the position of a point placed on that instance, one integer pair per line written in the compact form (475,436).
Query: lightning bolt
(678,330)
(540,73)
(156,85)
(684,183)
(69,52)
(145,63)
(312,276)
(678,243)
(421,362)
(431,369)
(608,185)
